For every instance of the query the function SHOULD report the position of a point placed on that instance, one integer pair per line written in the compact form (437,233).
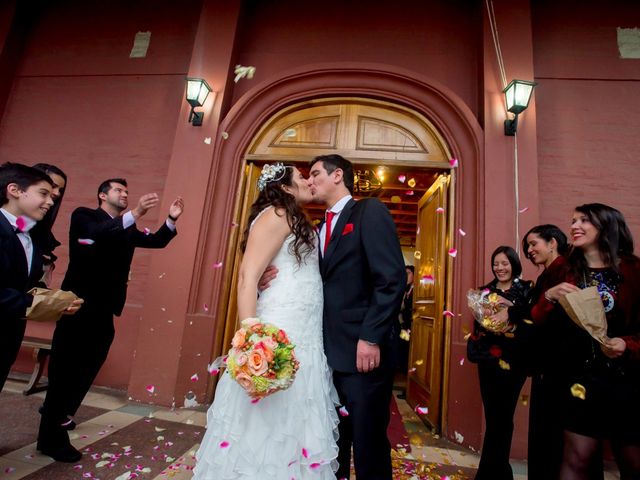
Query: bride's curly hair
(283,202)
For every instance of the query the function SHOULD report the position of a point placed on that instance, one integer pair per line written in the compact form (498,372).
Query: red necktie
(327,229)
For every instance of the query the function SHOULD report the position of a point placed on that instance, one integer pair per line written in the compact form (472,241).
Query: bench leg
(40,356)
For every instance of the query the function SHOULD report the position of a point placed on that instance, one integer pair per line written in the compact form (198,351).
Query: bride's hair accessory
(271,173)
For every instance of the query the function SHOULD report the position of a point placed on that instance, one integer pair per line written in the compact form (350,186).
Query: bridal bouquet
(261,359)
(484,304)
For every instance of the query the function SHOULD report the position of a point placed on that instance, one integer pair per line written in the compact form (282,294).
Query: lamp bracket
(511,126)
(196,118)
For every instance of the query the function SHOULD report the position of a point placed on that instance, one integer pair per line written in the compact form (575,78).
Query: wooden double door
(373,135)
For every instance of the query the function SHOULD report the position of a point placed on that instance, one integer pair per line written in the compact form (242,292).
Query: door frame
(445,110)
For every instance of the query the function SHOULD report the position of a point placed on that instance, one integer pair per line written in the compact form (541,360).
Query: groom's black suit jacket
(15,282)
(99,271)
(364,280)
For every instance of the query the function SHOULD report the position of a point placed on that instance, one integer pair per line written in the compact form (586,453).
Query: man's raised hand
(145,203)
(176,208)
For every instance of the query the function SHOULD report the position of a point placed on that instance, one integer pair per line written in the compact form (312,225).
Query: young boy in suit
(25,197)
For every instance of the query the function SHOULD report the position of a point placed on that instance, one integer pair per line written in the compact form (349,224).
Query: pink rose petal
(224,444)
(315,465)
(439,210)
(255,400)
(217,265)
(402,178)
(453,162)
(151,388)
(453,252)
(194,377)
(409,192)
(10,469)
(522,210)
(86,241)
(206,307)
(20,224)
(292,462)
(343,411)
(462,232)
(461,360)
(305,453)
(427,280)
(413,369)
(77,467)
(422,410)
(147,231)
(448,313)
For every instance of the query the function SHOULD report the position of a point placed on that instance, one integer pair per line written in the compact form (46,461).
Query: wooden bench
(41,350)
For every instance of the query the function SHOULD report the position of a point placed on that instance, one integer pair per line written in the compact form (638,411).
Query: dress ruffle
(289,434)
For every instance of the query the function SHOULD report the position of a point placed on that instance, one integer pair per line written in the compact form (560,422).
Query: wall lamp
(197,91)
(517,95)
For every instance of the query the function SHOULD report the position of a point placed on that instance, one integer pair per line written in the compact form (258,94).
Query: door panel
(427,333)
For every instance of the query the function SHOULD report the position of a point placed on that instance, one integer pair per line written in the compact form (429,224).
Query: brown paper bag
(585,308)
(48,305)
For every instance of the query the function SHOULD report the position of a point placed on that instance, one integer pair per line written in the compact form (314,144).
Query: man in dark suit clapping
(364,281)
(101,247)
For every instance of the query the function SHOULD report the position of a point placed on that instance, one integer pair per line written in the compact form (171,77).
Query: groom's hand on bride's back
(269,274)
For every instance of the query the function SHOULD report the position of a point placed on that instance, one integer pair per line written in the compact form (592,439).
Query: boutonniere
(348,228)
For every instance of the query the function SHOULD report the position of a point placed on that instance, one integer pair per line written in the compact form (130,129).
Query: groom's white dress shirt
(336,209)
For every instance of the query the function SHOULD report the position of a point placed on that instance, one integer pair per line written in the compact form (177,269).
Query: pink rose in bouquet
(261,359)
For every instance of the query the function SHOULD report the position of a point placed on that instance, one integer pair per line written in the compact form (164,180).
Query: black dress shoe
(64,453)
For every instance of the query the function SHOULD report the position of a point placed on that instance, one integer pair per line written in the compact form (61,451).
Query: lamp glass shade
(197,91)
(518,94)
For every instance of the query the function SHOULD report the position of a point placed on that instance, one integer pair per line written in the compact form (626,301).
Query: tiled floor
(117,437)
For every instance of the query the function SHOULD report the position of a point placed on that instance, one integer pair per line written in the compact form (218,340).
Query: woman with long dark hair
(501,370)
(545,246)
(601,390)
(42,233)
(292,433)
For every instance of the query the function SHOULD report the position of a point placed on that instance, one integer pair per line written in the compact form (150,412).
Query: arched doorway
(401,159)
(451,118)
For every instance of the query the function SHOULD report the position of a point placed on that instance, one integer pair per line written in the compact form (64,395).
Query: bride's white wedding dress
(291,433)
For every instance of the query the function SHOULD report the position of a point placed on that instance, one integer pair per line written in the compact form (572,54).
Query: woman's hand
(614,347)
(504,301)
(556,293)
(502,318)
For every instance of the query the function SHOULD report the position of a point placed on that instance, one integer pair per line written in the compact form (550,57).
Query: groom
(364,278)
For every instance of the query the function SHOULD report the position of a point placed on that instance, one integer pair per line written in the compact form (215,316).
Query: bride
(291,433)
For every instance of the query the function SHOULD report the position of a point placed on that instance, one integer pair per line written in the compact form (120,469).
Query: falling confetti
(224,444)
(417,255)
(524,399)
(439,210)
(405,335)
(422,410)
(453,162)
(413,369)
(224,135)
(86,241)
(217,265)
(409,192)
(151,388)
(412,182)
(578,391)
(448,313)
(504,365)
(453,252)
(343,411)
(419,362)
(462,232)
(427,280)
(458,436)
(207,140)
(161,275)
(402,178)
(206,307)
(147,231)
(522,210)
(244,72)
(194,377)
(396,199)
(461,361)
(315,466)
(305,453)
(526,320)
